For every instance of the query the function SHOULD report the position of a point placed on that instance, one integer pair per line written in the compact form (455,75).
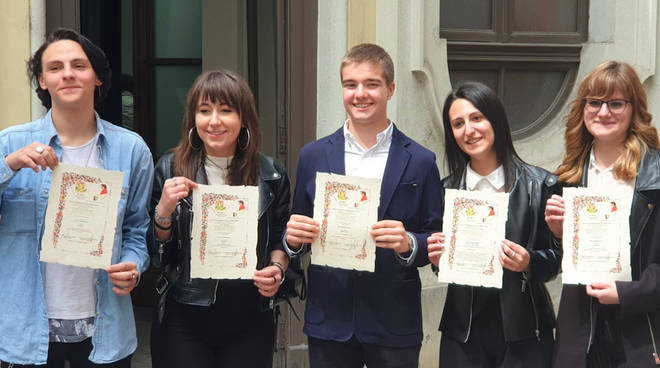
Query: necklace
(221,163)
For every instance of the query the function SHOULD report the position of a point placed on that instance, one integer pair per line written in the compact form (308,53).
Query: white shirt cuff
(292,253)
(406,261)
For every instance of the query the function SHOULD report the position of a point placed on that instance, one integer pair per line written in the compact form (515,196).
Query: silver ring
(39,149)
(132,275)
(513,254)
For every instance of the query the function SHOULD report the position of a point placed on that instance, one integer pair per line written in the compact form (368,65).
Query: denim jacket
(24,196)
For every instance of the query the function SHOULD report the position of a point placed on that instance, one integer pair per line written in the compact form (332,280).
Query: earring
(191,142)
(98,90)
(247,142)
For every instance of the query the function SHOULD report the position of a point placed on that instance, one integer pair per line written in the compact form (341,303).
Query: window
(528,51)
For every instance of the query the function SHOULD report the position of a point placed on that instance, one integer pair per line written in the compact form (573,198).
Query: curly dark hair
(94,53)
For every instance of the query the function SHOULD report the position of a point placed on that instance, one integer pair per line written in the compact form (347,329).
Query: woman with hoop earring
(206,322)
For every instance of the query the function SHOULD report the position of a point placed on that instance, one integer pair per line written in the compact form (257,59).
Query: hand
(124,276)
(267,280)
(605,292)
(390,234)
(30,156)
(436,246)
(554,215)
(301,229)
(174,190)
(513,257)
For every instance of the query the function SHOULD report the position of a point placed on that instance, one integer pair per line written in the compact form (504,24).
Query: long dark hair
(487,102)
(96,57)
(220,87)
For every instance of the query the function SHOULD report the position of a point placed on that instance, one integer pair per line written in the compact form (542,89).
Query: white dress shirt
(363,162)
(604,178)
(493,182)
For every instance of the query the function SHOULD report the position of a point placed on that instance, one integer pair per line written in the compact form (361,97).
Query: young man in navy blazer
(375,318)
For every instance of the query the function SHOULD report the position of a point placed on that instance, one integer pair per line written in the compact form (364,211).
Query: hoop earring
(247,142)
(191,142)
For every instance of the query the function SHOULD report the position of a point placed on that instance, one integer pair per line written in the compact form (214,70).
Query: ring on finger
(39,149)
(513,254)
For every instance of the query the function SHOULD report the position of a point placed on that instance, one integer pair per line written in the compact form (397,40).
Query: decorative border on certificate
(224,235)
(596,227)
(81,214)
(345,207)
(477,223)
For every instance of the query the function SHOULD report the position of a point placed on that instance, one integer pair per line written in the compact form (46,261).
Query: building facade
(534,53)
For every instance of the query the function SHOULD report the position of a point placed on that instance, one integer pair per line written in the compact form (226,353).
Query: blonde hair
(369,53)
(602,82)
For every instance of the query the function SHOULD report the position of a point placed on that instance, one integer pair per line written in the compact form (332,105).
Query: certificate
(223,241)
(81,217)
(474,225)
(346,207)
(596,236)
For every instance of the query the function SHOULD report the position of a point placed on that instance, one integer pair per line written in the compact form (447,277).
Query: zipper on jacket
(161,250)
(215,291)
(537,331)
(591,323)
(656,358)
(470,321)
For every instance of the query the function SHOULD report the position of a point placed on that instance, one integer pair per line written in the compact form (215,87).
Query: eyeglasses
(615,106)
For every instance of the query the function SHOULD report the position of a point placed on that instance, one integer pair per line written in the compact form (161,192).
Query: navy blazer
(381,307)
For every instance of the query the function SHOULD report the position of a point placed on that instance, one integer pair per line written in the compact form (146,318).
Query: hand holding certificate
(224,233)
(81,217)
(345,207)
(596,236)
(474,225)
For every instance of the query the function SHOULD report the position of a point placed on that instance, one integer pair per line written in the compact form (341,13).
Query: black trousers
(354,354)
(75,353)
(233,332)
(486,347)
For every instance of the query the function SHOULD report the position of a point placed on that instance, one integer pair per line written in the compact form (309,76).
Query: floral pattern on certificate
(216,202)
(345,207)
(80,183)
(81,218)
(474,224)
(337,191)
(582,203)
(465,207)
(224,231)
(596,233)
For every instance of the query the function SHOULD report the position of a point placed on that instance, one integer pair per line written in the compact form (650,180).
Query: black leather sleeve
(545,255)
(280,209)
(160,256)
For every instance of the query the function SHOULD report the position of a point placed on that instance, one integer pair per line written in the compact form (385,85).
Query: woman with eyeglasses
(511,326)
(611,143)
(205,322)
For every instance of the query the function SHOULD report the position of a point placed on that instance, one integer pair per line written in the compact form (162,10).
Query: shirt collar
(495,179)
(383,137)
(51,133)
(594,166)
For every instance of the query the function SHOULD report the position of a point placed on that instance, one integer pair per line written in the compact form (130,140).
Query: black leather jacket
(524,300)
(633,326)
(173,255)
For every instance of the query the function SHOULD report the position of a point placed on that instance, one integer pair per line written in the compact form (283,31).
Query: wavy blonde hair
(602,82)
